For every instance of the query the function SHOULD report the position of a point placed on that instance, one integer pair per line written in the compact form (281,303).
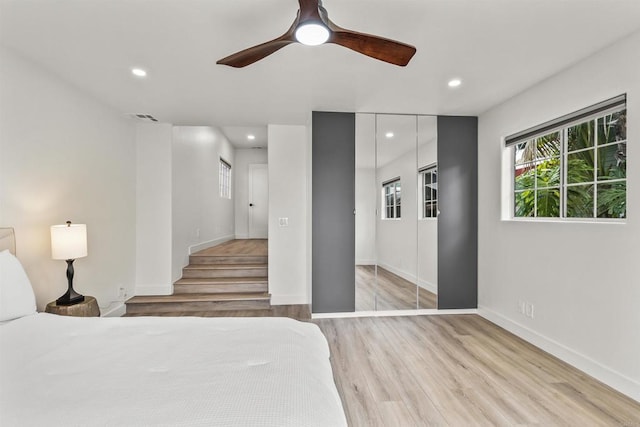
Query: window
(429,178)
(225,179)
(391,191)
(574,167)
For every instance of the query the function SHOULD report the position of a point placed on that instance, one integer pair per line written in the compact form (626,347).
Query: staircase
(231,276)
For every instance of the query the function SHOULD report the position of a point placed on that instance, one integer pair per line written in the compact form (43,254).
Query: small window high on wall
(392,198)
(225,179)
(573,167)
(429,184)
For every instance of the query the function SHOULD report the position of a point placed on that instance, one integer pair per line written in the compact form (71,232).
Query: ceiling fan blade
(256,53)
(380,48)
(253,54)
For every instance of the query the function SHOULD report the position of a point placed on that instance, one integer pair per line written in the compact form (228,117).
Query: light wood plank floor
(249,247)
(460,371)
(392,291)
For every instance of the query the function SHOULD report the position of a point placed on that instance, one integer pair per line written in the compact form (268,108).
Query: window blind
(544,128)
(390,181)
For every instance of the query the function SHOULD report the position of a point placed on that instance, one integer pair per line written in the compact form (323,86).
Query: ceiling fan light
(312,34)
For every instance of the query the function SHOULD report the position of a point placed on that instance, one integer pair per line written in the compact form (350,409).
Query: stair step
(221,285)
(186,303)
(228,259)
(224,270)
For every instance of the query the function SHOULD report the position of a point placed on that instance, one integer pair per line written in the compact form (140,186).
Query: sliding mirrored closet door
(427,167)
(396,208)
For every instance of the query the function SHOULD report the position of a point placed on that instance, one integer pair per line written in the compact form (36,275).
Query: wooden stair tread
(201,255)
(224,266)
(221,280)
(179,298)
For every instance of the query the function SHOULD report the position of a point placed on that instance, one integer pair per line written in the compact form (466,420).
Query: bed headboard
(7,239)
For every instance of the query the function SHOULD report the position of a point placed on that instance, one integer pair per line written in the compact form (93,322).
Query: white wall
(244,158)
(153,209)
(582,278)
(288,198)
(201,218)
(64,156)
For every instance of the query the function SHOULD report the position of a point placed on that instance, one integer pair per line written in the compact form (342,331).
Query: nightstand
(87,308)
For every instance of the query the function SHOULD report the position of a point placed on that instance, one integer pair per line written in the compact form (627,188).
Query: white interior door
(258,201)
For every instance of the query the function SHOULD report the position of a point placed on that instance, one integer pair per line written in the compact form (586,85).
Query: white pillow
(16,295)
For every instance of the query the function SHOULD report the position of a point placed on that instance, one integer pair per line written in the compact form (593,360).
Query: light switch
(284,222)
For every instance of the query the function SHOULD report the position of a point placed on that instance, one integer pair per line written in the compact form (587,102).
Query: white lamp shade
(68,241)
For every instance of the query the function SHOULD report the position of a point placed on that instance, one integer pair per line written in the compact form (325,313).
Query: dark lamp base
(66,299)
(70,297)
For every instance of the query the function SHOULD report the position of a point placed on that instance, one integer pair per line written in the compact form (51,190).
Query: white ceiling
(497,47)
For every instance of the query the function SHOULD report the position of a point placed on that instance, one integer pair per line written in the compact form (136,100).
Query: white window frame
(593,114)
(428,189)
(225,179)
(393,188)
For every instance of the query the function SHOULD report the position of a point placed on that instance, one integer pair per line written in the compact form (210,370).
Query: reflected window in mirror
(392,197)
(429,180)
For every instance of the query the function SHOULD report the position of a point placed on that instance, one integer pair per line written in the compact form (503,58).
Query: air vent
(144,117)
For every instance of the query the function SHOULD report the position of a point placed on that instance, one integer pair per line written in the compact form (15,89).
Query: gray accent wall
(333,204)
(458,218)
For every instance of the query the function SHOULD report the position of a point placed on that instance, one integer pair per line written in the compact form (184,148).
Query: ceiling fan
(312,26)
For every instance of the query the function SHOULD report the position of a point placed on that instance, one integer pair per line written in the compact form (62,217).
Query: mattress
(160,371)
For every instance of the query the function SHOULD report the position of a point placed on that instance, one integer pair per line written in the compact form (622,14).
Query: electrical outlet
(122,293)
(521,307)
(529,310)
(284,222)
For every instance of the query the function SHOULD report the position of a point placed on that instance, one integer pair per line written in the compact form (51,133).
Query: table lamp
(69,242)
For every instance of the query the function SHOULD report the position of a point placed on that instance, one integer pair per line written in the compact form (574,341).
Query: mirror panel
(366,206)
(396,237)
(427,211)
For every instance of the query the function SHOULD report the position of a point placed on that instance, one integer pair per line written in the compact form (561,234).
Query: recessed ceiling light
(251,137)
(138,72)
(389,134)
(454,82)
(312,34)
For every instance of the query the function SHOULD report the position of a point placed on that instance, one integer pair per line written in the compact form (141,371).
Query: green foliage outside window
(593,187)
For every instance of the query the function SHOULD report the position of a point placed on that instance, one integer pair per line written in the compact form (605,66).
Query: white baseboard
(210,243)
(410,277)
(365,262)
(580,361)
(154,289)
(289,299)
(241,236)
(117,311)
(428,286)
(392,313)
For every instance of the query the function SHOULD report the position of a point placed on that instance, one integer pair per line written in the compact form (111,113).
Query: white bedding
(152,371)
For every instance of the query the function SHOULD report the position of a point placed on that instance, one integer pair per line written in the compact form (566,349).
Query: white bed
(152,371)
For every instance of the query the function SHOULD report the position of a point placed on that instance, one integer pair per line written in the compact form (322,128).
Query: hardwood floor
(460,370)
(247,247)
(392,292)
